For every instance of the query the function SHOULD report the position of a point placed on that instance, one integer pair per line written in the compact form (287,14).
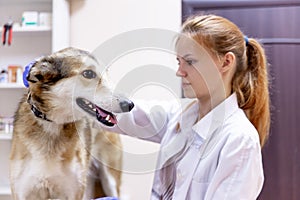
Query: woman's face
(198,70)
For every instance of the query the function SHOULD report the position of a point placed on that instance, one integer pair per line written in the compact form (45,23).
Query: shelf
(5,190)
(32,29)
(12,86)
(5,136)
(25,1)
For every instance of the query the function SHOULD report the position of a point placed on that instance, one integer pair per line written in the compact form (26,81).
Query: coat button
(179,177)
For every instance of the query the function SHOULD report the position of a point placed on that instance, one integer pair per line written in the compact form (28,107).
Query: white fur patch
(40,173)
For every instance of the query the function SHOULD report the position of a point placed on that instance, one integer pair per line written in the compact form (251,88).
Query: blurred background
(44,26)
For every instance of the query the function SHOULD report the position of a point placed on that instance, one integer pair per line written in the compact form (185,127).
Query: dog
(55,153)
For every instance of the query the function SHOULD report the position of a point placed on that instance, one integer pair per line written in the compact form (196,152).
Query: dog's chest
(54,176)
(54,165)
(54,143)
(53,159)
(53,168)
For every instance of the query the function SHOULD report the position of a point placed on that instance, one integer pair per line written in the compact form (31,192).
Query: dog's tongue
(106,116)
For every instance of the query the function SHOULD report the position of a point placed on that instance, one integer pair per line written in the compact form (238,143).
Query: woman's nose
(180,72)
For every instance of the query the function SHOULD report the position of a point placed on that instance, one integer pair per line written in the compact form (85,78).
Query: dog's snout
(126,105)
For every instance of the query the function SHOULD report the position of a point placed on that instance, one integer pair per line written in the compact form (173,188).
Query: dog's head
(70,84)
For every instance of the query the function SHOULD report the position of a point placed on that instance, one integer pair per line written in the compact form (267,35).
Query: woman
(210,149)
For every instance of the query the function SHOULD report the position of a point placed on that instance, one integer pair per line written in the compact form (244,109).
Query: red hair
(250,81)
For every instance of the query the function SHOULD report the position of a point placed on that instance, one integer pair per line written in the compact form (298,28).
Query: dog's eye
(89,74)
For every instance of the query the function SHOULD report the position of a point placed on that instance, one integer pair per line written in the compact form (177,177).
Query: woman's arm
(147,120)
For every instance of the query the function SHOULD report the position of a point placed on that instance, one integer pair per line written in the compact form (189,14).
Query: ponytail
(251,86)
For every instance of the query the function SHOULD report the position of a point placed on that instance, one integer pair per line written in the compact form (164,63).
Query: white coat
(223,160)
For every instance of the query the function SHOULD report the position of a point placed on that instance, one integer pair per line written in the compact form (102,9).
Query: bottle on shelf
(14,73)
(6,125)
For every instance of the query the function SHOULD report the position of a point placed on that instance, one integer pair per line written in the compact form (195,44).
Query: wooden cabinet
(28,43)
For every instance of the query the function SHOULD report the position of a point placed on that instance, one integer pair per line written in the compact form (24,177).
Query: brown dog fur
(59,155)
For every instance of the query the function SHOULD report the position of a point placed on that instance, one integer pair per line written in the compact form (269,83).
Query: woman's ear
(228,62)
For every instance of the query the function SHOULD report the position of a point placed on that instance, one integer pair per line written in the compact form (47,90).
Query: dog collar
(39,114)
(36,111)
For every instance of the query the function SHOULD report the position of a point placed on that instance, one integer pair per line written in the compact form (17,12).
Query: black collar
(36,111)
(39,114)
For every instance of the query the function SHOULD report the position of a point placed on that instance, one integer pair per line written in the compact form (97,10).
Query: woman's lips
(185,84)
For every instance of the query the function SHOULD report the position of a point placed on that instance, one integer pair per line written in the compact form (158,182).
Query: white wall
(94,22)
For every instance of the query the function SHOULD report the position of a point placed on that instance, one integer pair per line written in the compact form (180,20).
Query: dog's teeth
(85,101)
(94,109)
(90,105)
(107,118)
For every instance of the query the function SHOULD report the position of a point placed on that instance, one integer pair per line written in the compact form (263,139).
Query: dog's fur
(59,155)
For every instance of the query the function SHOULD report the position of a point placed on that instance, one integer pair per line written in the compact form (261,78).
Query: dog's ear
(35,74)
(44,70)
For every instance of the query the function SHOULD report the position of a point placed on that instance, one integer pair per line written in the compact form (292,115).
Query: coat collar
(216,117)
(204,128)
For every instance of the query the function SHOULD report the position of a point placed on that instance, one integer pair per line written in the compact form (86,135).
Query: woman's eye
(178,61)
(89,74)
(187,61)
(190,62)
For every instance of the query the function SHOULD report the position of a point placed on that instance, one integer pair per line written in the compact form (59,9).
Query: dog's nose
(126,105)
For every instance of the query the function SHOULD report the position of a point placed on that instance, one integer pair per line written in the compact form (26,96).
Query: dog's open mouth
(103,116)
